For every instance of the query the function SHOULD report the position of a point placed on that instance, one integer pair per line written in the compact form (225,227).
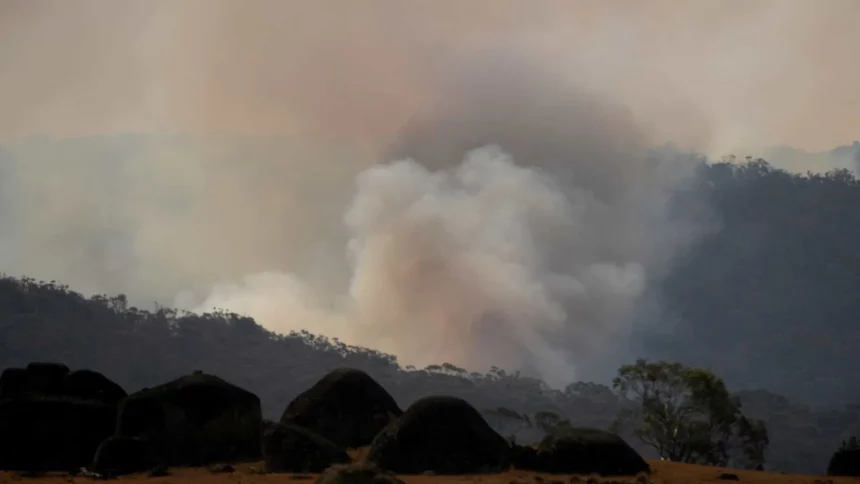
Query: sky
(719,75)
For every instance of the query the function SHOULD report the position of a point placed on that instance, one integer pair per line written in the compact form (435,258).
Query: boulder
(290,448)
(123,455)
(52,433)
(51,419)
(444,435)
(55,380)
(587,451)
(194,420)
(347,407)
(92,385)
(44,379)
(13,382)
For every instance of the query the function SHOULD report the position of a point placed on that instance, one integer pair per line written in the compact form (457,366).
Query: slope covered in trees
(45,321)
(770,299)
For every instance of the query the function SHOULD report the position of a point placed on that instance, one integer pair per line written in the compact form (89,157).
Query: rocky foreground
(53,419)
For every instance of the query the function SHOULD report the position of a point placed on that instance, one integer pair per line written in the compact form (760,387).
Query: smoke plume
(522,232)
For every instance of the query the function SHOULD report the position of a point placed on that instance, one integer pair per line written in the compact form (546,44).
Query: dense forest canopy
(768,302)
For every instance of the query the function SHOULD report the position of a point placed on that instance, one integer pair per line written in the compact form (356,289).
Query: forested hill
(768,302)
(771,300)
(47,322)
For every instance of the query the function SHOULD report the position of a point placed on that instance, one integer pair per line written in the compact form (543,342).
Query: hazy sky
(720,75)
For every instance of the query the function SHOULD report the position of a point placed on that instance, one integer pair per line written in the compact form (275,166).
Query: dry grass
(663,473)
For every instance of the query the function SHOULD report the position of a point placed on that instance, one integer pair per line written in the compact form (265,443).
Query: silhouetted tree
(686,414)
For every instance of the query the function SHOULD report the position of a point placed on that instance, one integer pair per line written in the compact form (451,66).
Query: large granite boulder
(290,448)
(444,435)
(92,385)
(51,419)
(587,451)
(195,420)
(52,433)
(123,455)
(347,407)
(42,379)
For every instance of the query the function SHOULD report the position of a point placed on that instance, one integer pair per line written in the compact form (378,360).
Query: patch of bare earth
(662,473)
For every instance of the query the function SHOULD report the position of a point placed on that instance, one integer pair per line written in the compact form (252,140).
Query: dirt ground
(662,473)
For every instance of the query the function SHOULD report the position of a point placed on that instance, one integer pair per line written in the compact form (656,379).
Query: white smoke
(462,265)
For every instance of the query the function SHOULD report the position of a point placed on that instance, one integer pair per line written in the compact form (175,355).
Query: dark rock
(46,378)
(844,463)
(123,455)
(42,379)
(222,469)
(356,474)
(445,435)
(47,419)
(92,385)
(13,382)
(587,451)
(726,476)
(290,448)
(347,407)
(52,433)
(195,420)
(54,380)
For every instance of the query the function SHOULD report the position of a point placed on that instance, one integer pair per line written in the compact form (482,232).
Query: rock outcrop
(587,451)
(347,407)
(444,435)
(195,420)
(123,455)
(290,448)
(54,420)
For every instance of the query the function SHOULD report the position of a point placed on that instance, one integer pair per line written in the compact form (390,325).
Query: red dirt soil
(662,473)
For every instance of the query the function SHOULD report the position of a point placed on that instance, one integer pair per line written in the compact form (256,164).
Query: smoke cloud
(469,182)
(719,75)
(522,233)
(484,263)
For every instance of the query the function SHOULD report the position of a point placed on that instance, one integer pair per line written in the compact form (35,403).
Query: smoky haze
(473,183)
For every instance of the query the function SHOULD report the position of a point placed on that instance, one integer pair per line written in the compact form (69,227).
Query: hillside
(773,291)
(142,349)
